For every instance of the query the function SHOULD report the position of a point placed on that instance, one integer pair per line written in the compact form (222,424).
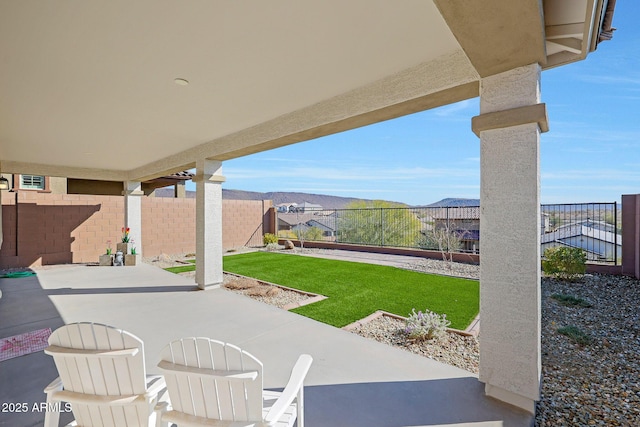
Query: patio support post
(509,126)
(208,181)
(133,212)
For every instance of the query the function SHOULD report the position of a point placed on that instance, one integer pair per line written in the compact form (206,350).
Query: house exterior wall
(596,249)
(90,186)
(51,228)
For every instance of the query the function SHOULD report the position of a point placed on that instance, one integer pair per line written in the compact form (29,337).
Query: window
(32,182)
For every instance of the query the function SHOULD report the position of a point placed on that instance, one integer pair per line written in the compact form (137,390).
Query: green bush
(269,238)
(575,334)
(311,234)
(564,263)
(571,301)
(287,234)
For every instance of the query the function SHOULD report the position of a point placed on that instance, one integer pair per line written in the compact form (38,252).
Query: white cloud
(611,79)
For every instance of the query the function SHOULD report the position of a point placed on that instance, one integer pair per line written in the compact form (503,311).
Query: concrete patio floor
(352,382)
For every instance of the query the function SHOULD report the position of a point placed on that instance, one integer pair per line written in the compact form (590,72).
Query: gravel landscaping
(597,383)
(593,383)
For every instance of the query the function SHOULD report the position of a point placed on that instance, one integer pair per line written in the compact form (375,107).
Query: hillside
(454,203)
(326,201)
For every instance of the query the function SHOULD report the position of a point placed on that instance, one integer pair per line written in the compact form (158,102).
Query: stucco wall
(240,227)
(70,228)
(168,225)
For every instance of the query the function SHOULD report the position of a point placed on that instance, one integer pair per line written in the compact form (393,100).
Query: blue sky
(590,153)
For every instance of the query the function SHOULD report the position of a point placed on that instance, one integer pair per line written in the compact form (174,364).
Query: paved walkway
(352,382)
(401,261)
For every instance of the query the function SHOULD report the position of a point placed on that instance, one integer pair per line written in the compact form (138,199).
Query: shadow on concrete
(127,290)
(385,404)
(26,307)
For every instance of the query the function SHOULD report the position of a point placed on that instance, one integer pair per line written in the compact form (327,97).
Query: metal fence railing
(593,227)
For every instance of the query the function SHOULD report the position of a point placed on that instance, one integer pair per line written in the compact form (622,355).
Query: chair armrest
(161,409)
(55,385)
(52,418)
(54,350)
(295,383)
(227,375)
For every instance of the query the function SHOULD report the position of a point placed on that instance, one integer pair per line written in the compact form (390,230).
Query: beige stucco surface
(510,363)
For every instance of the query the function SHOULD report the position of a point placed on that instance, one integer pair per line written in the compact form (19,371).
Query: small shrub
(564,263)
(571,301)
(287,234)
(425,326)
(575,334)
(273,247)
(240,284)
(269,238)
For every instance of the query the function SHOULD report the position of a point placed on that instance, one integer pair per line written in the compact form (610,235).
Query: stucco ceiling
(88,88)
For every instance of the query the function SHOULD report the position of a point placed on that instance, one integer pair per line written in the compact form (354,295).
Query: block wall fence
(45,229)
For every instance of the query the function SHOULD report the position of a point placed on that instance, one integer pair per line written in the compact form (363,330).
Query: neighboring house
(464,222)
(39,183)
(308,207)
(598,239)
(286,207)
(303,221)
(326,224)
(298,208)
(57,185)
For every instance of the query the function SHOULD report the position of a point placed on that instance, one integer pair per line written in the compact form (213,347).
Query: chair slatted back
(120,375)
(212,379)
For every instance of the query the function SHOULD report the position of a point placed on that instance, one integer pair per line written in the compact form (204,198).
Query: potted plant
(106,259)
(123,246)
(130,259)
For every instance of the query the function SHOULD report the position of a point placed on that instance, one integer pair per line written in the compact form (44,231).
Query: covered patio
(353,382)
(128,92)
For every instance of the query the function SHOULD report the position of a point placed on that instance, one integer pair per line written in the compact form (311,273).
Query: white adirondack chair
(211,383)
(102,376)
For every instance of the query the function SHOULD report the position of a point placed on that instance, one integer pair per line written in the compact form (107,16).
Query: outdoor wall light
(4,183)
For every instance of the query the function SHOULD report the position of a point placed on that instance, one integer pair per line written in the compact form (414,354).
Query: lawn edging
(471,331)
(313,298)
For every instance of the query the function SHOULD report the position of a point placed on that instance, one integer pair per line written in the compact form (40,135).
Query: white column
(133,212)
(208,181)
(509,127)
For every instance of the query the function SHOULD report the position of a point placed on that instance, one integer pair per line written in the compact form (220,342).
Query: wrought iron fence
(593,227)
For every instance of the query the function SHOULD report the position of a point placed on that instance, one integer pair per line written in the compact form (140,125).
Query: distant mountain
(454,203)
(278,197)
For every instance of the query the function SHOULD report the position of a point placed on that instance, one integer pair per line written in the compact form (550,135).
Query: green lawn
(183,268)
(355,290)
